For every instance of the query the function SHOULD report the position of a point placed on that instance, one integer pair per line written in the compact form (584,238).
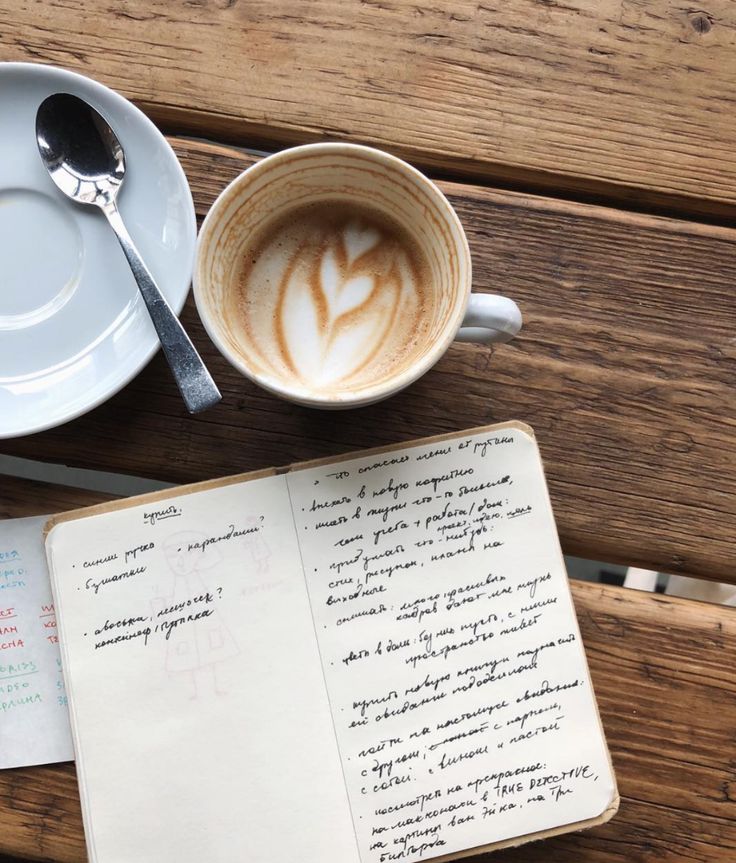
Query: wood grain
(21,498)
(664,672)
(632,99)
(626,369)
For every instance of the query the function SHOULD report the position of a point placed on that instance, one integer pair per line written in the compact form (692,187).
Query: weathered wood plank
(630,99)
(664,671)
(20,498)
(626,368)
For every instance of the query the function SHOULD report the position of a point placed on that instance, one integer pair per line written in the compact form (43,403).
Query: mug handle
(489,319)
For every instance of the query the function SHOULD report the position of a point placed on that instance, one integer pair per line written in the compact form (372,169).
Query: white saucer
(73,328)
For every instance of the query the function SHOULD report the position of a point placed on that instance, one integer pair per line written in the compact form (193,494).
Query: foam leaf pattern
(341,299)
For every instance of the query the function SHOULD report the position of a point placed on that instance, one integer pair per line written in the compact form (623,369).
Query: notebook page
(34,722)
(197,698)
(456,675)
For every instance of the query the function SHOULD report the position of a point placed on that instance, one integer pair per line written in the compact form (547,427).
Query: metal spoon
(86,161)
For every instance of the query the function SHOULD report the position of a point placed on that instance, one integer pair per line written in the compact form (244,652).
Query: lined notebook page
(456,675)
(199,712)
(34,722)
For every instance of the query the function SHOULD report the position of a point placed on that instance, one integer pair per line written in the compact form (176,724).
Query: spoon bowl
(80,150)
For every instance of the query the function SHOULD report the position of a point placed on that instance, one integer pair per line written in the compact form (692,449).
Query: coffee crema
(334,296)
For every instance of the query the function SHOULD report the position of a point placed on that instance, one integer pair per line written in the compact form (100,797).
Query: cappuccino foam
(333,296)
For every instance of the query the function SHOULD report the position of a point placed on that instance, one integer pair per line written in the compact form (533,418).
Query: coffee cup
(334,275)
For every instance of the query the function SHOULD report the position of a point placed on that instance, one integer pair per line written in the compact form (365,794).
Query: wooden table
(588,146)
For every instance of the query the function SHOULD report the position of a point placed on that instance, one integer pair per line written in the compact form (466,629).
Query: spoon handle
(195,383)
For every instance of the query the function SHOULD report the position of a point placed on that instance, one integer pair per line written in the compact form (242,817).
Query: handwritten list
(195,683)
(381,652)
(456,676)
(34,722)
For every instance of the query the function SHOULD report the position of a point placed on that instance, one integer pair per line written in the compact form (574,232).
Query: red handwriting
(9,645)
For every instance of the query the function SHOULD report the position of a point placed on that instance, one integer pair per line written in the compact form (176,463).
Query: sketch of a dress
(201,643)
(260,553)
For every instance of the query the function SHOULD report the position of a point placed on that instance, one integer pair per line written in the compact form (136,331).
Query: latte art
(334,296)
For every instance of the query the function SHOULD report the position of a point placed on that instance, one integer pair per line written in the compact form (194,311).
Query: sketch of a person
(198,646)
(259,551)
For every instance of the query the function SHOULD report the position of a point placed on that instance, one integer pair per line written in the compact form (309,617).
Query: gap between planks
(623,202)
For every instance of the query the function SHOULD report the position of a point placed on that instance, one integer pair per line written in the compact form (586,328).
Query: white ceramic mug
(358,175)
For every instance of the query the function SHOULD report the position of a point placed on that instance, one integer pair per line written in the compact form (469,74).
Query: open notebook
(361,660)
